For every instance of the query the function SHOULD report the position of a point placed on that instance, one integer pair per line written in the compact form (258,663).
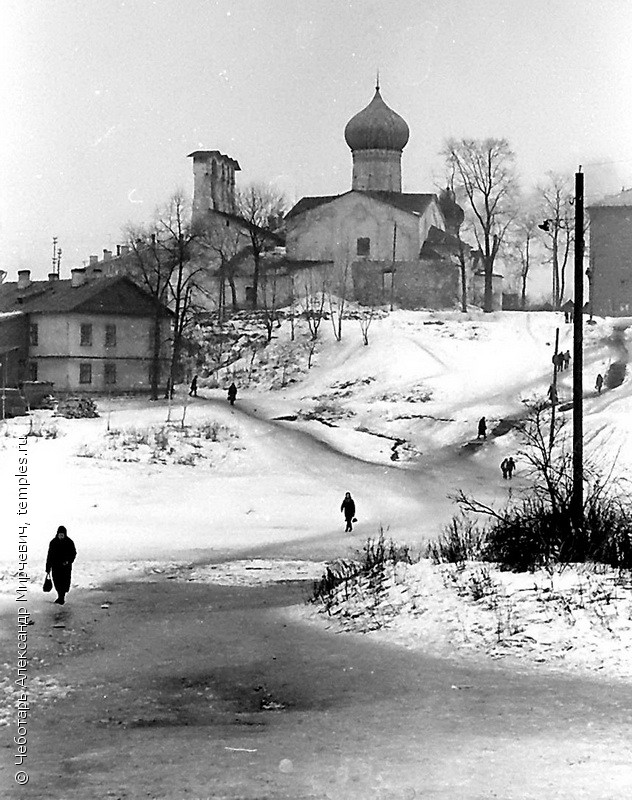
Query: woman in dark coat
(348,508)
(61,554)
(232,394)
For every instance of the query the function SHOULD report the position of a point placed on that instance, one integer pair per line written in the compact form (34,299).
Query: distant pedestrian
(599,383)
(567,359)
(194,386)
(61,554)
(348,509)
(482,428)
(552,393)
(232,394)
(511,466)
(503,467)
(558,361)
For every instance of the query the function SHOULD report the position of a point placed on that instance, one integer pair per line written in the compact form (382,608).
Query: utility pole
(577,500)
(553,391)
(393,267)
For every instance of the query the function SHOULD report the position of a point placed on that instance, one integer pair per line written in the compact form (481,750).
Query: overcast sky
(102,100)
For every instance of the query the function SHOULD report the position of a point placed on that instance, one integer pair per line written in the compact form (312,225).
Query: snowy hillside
(426,378)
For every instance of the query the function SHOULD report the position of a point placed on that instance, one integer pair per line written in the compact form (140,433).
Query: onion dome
(377,127)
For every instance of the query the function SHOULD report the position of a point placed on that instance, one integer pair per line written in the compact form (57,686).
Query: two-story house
(92,335)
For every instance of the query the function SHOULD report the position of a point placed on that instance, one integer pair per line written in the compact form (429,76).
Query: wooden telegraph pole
(393,266)
(577,500)
(553,391)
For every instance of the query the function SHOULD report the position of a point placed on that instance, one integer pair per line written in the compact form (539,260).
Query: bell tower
(213,183)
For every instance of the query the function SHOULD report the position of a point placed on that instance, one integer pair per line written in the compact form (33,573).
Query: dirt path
(181,690)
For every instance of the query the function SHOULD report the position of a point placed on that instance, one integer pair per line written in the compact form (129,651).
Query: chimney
(94,260)
(53,276)
(24,278)
(107,255)
(124,249)
(77,276)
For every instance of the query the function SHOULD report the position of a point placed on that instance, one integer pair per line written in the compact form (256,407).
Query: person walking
(482,428)
(567,359)
(193,387)
(552,393)
(59,561)
(348,509)
(232,394)
(599,383)
(503,467)
(511,466)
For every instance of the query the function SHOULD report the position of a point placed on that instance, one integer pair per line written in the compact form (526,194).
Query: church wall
(330,232)
(415,284)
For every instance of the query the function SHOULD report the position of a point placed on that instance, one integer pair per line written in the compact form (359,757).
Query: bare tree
(269,298)
(365,319)
(226,244)
(153,274)
(262,208)
(161,263)
(337,291)
(556,198)
(484,177)
(315,287)
(522,240)
(292,314)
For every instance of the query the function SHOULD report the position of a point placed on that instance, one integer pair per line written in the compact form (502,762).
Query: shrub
(462,540)
(540,530)
(370,563)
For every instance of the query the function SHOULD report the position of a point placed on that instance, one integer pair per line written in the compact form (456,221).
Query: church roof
(441,243)
(377,127)
(411,203)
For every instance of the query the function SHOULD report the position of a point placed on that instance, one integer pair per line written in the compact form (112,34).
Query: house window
(33,370)
(110,373)
(363,246)
(85,372)
(86,335)
(34,334)
(110,335)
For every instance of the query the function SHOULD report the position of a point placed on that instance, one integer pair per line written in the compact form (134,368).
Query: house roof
(411,203)
(624,198)
(105,295)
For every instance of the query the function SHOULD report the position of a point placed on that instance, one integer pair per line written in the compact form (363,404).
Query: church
(400,247)
(377,244)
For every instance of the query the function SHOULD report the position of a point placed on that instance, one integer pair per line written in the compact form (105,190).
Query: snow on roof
(623,198)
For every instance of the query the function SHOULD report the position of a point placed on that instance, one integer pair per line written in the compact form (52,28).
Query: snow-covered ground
(140,491)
